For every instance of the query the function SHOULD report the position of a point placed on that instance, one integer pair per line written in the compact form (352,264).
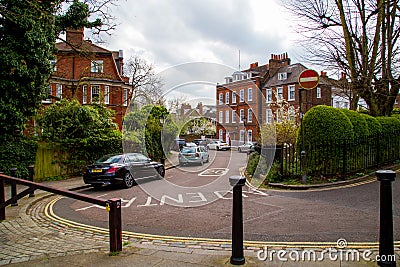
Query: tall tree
(28,30)
(357,37)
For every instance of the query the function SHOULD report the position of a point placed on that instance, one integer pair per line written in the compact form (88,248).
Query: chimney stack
(75,37)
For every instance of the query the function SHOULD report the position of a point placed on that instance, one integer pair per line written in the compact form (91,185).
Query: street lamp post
(244,120)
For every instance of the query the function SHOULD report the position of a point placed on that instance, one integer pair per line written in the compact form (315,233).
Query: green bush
(360,125)
(389,124)
(374,127)
(323,124)
(252,163)
(17,153)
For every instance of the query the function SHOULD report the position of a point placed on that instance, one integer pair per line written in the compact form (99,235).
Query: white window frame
(233,116)
(227,116)
(249,135)
(241,135)
(227,98)
(233,97)
(319,95)
(241,95)
(269,116)
(220,99)
(249,94)
(106,94)
(268,95)
(84,94)
(278,115)
(220,134)
(279,94)
(241,115)
(125,97)
(95,89)
(48,92)
(249,115)
(291,93)
(97,66)
(53,64)
(282,76)
(59,90)
(221,117)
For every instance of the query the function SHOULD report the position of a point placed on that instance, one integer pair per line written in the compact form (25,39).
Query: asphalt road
(196,201)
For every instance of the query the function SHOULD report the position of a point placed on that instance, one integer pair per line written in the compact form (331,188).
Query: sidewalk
(28,237)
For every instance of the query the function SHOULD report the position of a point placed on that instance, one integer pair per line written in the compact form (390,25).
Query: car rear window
(188,150)
(109,159)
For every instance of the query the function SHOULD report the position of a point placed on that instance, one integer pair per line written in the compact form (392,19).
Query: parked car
(122,169)
(201,142)
(218,145)
(245,147)
(196,154)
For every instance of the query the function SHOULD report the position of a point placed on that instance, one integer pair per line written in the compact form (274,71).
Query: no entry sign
(309,79)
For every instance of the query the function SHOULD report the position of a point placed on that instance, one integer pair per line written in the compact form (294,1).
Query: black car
(122,169)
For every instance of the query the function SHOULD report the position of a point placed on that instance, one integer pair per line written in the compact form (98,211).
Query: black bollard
(13,172)
(31,170)
(237,257)
(386,242)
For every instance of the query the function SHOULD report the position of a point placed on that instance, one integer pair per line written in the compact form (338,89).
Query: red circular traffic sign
(309,79)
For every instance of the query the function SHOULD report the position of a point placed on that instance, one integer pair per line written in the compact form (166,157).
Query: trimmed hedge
(389,124)
(374,127)
(322,123)
(360,126)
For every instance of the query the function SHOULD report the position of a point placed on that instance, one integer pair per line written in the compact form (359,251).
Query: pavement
(30,236)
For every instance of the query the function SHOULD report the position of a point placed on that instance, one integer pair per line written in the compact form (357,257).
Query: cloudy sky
(168,33)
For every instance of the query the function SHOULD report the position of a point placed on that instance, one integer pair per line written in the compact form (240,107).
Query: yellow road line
(51,215)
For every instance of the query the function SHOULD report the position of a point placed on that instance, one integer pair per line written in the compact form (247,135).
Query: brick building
(90,74)
(252,97)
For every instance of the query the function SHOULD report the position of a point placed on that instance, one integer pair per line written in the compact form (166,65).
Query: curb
(366,178)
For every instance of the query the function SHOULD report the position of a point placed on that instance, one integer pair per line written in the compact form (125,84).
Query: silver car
(196,154)
(218,145)
(245,147)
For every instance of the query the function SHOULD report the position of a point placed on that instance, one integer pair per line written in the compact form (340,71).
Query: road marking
(214,172)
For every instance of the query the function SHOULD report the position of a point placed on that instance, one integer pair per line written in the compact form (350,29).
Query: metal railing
(112,205)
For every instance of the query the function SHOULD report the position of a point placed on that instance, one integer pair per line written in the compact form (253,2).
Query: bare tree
(358,37)
(146,85)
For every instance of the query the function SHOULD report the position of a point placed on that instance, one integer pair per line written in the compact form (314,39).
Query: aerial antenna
(239,59)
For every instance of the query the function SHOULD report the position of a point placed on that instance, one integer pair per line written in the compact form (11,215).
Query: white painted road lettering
(214,172)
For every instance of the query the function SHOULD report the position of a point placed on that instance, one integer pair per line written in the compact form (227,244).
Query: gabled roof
(84,46)
(293,71)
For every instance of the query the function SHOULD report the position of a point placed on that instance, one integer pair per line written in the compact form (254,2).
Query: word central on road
(214,172)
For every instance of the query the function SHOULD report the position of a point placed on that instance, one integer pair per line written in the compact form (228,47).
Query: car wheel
(208,159)
(128,180)
(240,150)
(97,186)
(217,147)
(161,172)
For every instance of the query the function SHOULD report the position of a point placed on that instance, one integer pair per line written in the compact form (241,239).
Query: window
(221,115)
(249,115)
(59,90)
(282,76)
(97,66)
(53,65)
(233,97)
(95,94)
(226,116)
(220,97)
(125,97)
(269,95)
(233,116)
(241,115)
(250,94)
(241,95)
(250,135)
(227,98)
(318,92)
(279,94)
(48,94)
(269,117)
(241,136)
(278,115)
(221,134)
(291,93)
(84,94)
(106,94)
(292,113)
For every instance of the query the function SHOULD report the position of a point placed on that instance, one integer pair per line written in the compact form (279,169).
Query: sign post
(308,80)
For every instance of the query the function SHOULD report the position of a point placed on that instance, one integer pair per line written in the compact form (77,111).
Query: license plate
(97,170)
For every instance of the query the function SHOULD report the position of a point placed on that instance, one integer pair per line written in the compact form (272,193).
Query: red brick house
(90,74)
(251,97)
